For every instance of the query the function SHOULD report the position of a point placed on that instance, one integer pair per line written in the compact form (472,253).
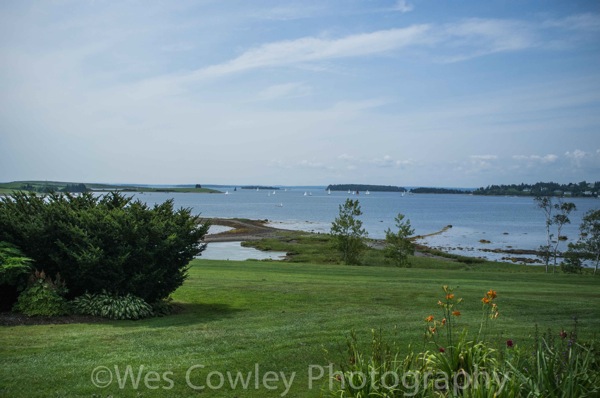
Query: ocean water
(507,222)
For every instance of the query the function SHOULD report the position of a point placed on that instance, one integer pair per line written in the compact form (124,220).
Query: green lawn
(281,316)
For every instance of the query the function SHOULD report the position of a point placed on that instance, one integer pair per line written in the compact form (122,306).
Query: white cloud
(482,162)
(312,164)
(286,90)
(345,157)
(550,158)
(577,154)
(581,22)
(477,37)
(403,6)
(484,157)
(388,161)
(312,49)
(583,159)
(385,161)
(177,47)
(290,12)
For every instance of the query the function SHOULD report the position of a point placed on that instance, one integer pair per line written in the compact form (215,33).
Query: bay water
(505,222)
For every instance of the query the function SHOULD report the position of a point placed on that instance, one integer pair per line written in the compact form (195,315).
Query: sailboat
(305,193)
(367,193)
(329,192)
(226,192)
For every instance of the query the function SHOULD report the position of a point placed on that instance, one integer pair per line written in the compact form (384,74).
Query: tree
(348,233)
(550,249)
(545,204)
(399,247)
(590,236)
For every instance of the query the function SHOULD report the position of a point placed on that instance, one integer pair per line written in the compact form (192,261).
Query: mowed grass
(283,317)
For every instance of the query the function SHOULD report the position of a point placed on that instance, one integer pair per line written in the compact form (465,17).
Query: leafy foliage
(348,233)
(560,366)
(399,247)
(105,243)
(13,264)
(14,268)
(43,296)
(112,307)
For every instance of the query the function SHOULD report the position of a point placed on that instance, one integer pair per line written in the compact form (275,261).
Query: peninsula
(76,187)
(364,187)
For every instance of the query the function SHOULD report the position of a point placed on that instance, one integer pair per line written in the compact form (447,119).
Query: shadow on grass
(202,312)
(185,314)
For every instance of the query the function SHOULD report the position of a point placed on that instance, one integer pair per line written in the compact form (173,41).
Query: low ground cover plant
(113,307)
(43,296)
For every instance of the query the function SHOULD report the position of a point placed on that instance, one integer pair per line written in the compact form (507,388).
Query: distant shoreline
(77,187)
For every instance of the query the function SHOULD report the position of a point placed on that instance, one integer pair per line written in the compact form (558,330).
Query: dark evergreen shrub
(105,243)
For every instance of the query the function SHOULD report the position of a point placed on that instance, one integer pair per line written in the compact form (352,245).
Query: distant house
(568,193)
(587,193)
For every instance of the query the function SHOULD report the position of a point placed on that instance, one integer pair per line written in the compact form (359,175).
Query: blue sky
(431,93)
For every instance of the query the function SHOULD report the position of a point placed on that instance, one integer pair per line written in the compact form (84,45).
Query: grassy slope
(281,316)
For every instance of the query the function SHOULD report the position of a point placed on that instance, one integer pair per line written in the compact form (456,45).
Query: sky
(396,92)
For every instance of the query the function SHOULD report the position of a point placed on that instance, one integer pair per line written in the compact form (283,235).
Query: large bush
(105,243)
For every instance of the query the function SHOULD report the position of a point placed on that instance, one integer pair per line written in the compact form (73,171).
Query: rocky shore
(242,230)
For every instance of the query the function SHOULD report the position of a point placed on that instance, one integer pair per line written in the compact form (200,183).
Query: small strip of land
(243,230)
